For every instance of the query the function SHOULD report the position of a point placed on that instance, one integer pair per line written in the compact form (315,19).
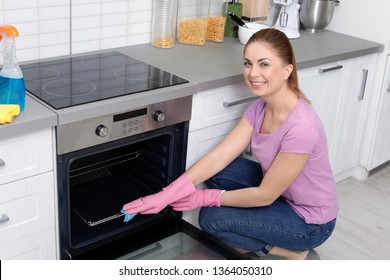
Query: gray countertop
(32,118)
(210,66)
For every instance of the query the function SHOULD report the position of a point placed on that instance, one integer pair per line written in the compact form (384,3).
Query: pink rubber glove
(154,203)
(200,198)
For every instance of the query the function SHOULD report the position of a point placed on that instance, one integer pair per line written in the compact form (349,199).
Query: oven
(108,160)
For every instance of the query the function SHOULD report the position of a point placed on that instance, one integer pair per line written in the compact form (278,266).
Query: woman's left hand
(200,198)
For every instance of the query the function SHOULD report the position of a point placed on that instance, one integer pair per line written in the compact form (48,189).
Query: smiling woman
(286,203)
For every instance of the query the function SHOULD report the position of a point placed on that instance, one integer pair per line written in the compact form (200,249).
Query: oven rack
(101,189)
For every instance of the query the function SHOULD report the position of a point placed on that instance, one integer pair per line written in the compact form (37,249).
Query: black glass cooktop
(74,81)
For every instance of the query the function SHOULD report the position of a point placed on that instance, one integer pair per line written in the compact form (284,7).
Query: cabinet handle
(363,87)
(324,70)
(3,218)
(2,163)
(388,89)
(238,102)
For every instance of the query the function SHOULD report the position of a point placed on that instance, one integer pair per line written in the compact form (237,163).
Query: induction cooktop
(73,81)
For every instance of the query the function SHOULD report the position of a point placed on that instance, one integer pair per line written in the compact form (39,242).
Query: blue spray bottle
(12,90)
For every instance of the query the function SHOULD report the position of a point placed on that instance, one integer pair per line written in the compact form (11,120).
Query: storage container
(217,21)
(192,21)
(164,23)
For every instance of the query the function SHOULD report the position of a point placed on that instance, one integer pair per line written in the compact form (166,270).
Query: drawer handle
(363,87)
(238,102)
(2,163)
(388,89)
(4,218)
(324,70)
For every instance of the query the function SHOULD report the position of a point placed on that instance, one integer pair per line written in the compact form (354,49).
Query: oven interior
(94,184)
(100,184)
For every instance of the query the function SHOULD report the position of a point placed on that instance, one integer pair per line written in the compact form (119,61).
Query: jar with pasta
(164,23)
(216,21)
(192,21)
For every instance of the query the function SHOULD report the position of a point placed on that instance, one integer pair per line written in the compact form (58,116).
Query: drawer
(219,105)
(26,207)
(25,156)
(41,246)
(203,141)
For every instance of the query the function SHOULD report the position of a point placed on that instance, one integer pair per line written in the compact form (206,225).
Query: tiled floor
(363,226)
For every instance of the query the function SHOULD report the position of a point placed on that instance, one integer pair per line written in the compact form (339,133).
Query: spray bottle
(12,90)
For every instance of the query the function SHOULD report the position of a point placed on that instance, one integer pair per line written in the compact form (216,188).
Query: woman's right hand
(154,203)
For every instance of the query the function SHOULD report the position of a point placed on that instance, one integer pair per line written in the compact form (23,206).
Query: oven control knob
(159,116)
(102,131)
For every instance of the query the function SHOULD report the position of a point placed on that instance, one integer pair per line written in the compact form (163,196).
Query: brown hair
(282,46)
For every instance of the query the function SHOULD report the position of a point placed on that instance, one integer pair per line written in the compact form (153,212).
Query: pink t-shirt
(313,194)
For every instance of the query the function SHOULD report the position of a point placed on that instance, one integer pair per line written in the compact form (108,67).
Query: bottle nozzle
(8,31)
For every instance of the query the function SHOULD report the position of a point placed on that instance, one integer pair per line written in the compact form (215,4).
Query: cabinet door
(349,128)
(27,211)
(200,142)
(381,148)
(323,86)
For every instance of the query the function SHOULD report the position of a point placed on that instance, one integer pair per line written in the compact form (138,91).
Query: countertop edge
(34,117)
(339,57)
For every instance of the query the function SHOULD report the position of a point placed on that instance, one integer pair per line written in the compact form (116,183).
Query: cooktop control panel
(90,132)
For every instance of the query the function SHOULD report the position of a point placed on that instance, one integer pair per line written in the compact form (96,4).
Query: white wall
(50,28)
(369,20)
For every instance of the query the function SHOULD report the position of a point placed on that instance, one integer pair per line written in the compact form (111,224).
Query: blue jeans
(258,229)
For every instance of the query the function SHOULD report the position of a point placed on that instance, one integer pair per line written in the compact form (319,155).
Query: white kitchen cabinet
(215,106)
(339,93)
(27,197)
(381,146)
(215,113)
(323,86)
(349,128)
(25,155)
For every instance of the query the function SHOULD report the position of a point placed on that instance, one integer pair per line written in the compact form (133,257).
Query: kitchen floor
(363,226)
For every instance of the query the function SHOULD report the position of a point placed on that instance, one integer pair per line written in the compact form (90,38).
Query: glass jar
(164,23)
(192,21)
(216,21)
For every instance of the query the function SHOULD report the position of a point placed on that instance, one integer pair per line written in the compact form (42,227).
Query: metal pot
(315,15)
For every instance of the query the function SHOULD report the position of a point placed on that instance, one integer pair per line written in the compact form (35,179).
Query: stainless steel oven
(106,161)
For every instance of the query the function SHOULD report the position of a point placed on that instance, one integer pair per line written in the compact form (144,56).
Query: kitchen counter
(210,66)
(34,117)
(220,64)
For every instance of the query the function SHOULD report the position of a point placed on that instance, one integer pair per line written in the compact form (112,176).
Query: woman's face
(264,71)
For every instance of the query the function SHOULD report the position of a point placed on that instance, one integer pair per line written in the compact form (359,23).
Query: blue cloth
(258,229)
(128,217)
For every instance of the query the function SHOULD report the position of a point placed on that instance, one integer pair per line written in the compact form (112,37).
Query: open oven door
(172,239)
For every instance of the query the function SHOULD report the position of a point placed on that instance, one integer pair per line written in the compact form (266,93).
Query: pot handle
(336,2)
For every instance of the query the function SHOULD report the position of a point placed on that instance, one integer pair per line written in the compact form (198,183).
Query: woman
(293,207)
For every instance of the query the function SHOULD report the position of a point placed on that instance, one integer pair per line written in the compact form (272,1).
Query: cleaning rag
(8,112)
(128,217)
